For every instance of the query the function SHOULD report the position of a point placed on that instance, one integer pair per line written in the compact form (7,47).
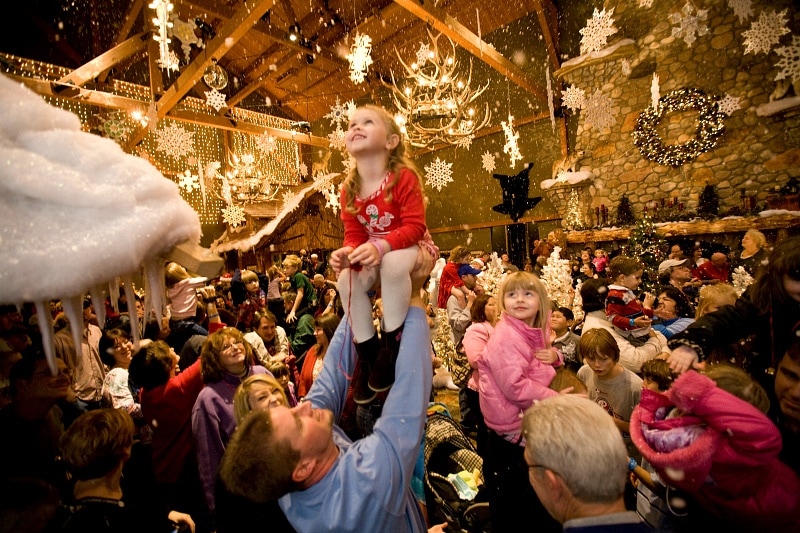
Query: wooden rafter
(134,10)
(106,60)
(543,9)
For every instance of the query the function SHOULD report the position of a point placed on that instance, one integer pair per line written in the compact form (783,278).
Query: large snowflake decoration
(332,198)
(790,62)
(266,143)
(598,111)
(336,138)
(741,8)
(174,141)
(438,174)
(423,54)
(465,142)
(338,113)
(573,98)
(488,162)
(215,99)
(359,57)
(597,30)
(689,23)
(511,148)
(185,33)
(765,32)
(729,104)
(233,215)
(188,181)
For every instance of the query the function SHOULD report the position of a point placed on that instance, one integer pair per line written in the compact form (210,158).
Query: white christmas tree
(557,278)
(493,276)
(577,303)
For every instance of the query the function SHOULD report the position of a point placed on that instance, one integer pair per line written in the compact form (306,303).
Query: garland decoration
(710,126)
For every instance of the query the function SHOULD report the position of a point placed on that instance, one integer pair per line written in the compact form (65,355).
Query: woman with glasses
(227,359)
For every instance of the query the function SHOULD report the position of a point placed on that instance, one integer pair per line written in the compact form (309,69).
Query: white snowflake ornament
(598,111)
(573,98)
(511,148)
(338,113)
(438,174)
(332,198)
(729,104)
(465,142)
(765,32)
(790,61)
(741,8)
(487,160)
(303,169)
(188,181)
(266,143)
(336,138)
(423,54)
(689,23)
(359,57)
(174,141)
(215,99)
(233,215)
(597,30)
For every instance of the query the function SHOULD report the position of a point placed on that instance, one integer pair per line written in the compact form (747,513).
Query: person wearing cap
(678,273)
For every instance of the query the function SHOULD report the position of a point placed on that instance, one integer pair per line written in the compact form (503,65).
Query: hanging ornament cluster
(360,58)
(511,148)
(765,32)
(166,58)
(709,128)
(689,24)
(597,31)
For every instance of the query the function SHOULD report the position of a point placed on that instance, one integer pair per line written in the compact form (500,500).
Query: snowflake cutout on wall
(573,98)
(598,111)
(338,113)
(336,138)
(188,182)
(359,58)
(174,141)
(215,99)
(597,30)
(438,174)
(741,8)
(487,160)
(790,62)
(765,32)
(729,104)
(423,54)
(266,143)
(233,215)
(303,169)
(688,24)
(511,148)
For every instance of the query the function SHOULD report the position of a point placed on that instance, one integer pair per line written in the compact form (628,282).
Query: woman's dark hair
(478,312)
(593,294)
(683,307)
(107,343)
(328,324)
(784,260)
(151,364)
(212,370)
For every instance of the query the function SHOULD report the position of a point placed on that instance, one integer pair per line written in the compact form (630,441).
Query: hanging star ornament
(515,194)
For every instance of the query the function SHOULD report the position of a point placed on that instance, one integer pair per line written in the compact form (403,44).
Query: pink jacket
(474,341)
(722,450)
(510,376)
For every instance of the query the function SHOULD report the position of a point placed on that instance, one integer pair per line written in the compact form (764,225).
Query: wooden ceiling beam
(233,30)
(543,8)
(444,23)
(106,60)
(134,10)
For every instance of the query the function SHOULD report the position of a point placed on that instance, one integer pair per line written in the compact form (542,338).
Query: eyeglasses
(227,347)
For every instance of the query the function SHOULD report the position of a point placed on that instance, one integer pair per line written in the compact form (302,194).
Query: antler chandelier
(244,183)
(433,102)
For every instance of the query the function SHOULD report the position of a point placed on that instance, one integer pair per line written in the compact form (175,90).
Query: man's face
(44,386)
(504,258)
(681,273)
(266,329)
(787,390)
(469,280)
(307,429)
(675,252)
(719,260)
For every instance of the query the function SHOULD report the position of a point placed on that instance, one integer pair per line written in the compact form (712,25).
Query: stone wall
(754,153)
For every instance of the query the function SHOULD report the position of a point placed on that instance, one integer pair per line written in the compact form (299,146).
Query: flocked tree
(647,246)
(708,203)
(625,212)
(557,278)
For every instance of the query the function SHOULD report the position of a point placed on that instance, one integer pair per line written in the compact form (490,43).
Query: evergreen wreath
(709,128)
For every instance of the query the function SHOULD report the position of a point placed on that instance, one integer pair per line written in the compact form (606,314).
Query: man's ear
(303,470)
(392,141)
(555,484)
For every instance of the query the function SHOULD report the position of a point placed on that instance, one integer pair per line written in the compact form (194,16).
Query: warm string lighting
(434,102)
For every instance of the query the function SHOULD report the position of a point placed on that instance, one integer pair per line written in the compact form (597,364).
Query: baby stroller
(449,451)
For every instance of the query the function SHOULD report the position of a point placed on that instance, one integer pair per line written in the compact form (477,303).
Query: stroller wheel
(476,518)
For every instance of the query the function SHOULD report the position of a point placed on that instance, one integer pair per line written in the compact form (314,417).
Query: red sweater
(168,409)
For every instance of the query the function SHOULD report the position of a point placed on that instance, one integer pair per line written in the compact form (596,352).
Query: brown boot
(367,352)
(382,376)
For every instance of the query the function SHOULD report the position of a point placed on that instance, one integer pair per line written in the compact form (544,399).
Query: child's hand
(339,259)
(547,356)
(649,300)
(642,321)
(366,254)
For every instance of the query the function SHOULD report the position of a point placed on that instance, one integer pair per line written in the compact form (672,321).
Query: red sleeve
(354,233)
(411,227)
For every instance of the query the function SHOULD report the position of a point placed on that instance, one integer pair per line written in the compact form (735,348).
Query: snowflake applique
(188,182)
(765,32)
(573,98)
(338,113)
(511,148)
(266,143)
(465,141)
(597,30)
(438,174)
(729,104)
(790,62)
(741,8)
(174,141)
(646,3)
(215,99)
(423,54)
(336,138)
(598,111)
(689,23)
(233,215)
(171,62)
(303,169)
(488,162)
(115,129)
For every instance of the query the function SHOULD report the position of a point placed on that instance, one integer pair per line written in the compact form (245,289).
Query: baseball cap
(669,263)
(463,270)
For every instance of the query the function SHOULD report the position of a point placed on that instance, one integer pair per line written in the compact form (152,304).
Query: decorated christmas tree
(708,203)
(493,276)
(647,246)
(625,212)
(557,278)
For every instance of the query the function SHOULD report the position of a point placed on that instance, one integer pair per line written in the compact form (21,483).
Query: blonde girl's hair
(175,273)
(248,276)
(713,294)
(241,398)
(292,260)
(528,281)
(398,160)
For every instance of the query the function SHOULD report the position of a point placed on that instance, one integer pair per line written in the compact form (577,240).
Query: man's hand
(682,359)
(419,275)
(339,260)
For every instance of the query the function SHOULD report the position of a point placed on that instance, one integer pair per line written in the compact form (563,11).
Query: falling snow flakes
(266,143)
(215,99)
(741,8)
(233,215)
(188,181)
(597,30)
(487,160)
(729,104)
(573,98)
(174,141)
(438,174)
(598,111)
(689,24)
(765,32)
(790,62)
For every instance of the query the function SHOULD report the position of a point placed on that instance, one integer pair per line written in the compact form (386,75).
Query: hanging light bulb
(215,77)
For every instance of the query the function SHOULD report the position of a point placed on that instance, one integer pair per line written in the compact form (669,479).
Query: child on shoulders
(629,317)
